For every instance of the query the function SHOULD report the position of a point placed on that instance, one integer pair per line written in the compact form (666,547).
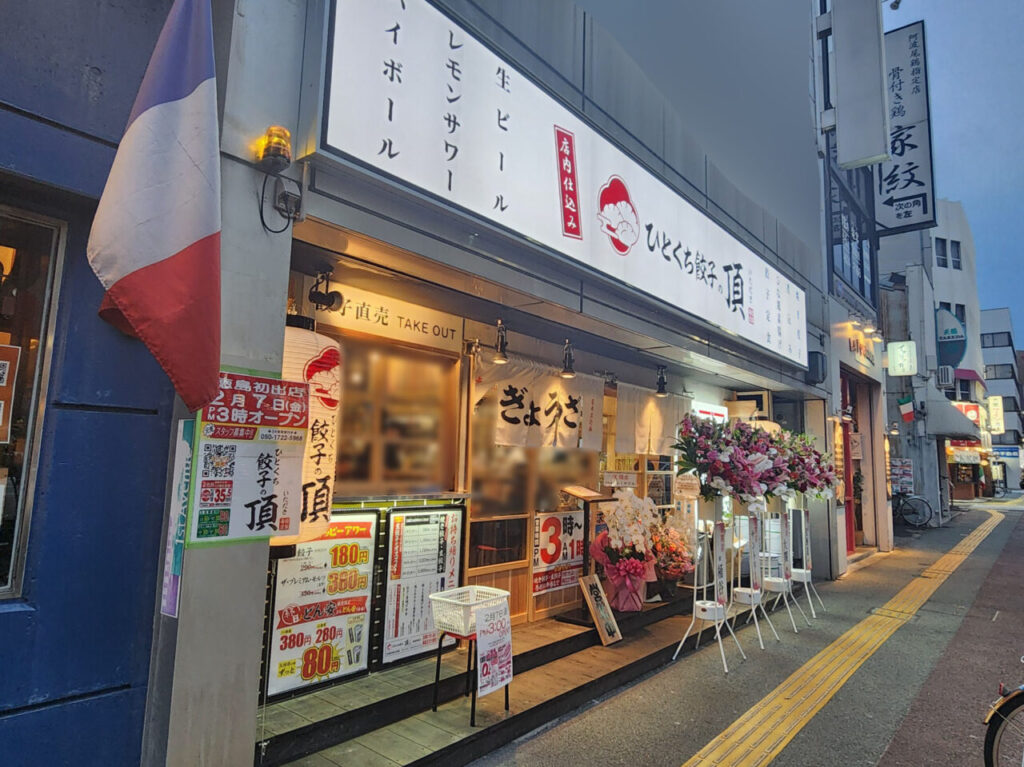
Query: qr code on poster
(219,461)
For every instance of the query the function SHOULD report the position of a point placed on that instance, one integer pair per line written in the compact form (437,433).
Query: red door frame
(851,530)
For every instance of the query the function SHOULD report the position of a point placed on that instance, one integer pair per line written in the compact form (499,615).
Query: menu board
(557,551)
(424,552)
(247,482)
(321,619)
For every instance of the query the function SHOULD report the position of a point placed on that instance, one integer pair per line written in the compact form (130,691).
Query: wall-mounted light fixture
(322,298)
(501,345)
(568,358)
(894,427)
(662,390)
(869,327)
(274,150)
(273,157)
(856,321)
(846,415)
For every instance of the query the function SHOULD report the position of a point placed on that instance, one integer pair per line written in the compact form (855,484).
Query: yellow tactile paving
(758,735)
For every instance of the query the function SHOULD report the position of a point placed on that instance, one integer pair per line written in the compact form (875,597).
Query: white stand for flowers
(714,609)
(782,584)
(803,574)
(752,595)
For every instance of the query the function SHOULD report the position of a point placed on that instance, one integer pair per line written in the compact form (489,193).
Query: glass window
(961,312)
(946,305)
(998,371)
(963,387)
(1010,404)
(398,416)
(954,254)
(853,240)
(940,253)
(27,250)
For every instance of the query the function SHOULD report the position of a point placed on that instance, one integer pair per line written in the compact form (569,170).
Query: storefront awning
(944,420)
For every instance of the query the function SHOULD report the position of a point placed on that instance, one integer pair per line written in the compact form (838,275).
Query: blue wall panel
(101,731)
(74,649)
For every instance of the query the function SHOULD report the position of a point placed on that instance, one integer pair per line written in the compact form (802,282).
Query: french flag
(155,240)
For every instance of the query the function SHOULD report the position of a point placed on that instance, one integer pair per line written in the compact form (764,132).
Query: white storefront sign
(996,419)
(902,358)
(414,95)
(904,197)
(717,413)
(373,314)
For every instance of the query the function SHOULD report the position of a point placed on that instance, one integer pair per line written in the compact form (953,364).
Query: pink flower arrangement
(749,463)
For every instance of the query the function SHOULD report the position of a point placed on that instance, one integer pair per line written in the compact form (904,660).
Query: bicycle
(914,510)
(1004,739)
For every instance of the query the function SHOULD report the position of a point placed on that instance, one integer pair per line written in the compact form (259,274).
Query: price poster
(10,356)
(493,648)
(424,555)
(557,551)
(247,476)
(721,587)
(321,619)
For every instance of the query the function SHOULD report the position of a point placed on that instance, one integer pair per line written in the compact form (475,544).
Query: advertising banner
(247,479)
(557,551)
(321,623)
(902,475)
(415,96)
(904,193)
(754,543)
(177,518)
(424,549)
(493,648)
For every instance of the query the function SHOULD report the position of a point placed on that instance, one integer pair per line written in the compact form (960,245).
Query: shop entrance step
(292,729)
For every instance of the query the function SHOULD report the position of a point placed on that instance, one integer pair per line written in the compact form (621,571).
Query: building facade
(1002,380)
(474,180)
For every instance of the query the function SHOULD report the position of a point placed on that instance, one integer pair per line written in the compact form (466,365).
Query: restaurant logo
(618,217)
(323,374)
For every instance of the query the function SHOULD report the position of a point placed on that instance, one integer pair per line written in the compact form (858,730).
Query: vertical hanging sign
(786,528)
(754,542)
(177,517)
(904,191)
(807,539)
(721,587)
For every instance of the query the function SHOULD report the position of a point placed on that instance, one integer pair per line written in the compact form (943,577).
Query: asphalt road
(918,700)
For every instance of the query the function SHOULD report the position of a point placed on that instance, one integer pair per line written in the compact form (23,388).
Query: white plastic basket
(455,609)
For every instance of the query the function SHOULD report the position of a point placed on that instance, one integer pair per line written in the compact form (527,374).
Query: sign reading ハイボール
(413,94)
(904,196)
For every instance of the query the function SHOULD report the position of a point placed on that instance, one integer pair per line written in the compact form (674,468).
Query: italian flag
(906,407)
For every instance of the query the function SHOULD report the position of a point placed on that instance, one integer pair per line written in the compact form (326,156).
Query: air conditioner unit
(944,377)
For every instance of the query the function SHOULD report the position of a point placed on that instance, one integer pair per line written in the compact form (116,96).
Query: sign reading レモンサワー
(321,616)
(247,464)
(904,194)
(415,95)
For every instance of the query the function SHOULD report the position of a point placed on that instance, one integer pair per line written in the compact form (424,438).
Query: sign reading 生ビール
(415,95)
